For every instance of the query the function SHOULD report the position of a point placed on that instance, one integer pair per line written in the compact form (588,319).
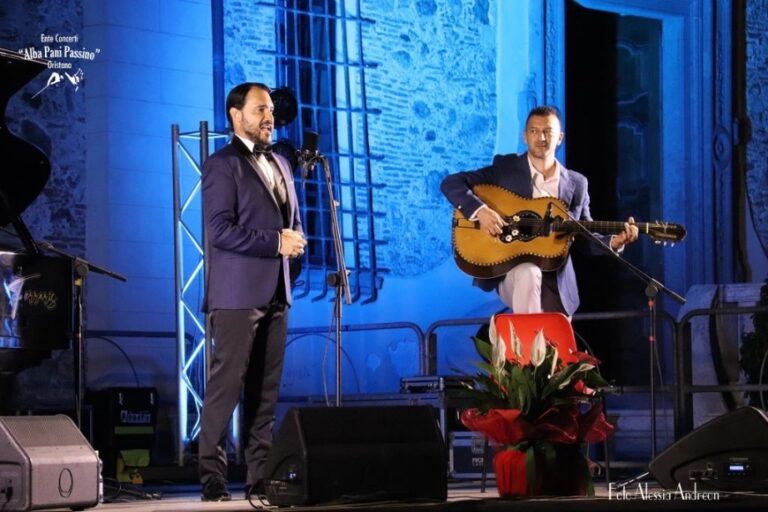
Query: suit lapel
(290,191)
(565,188)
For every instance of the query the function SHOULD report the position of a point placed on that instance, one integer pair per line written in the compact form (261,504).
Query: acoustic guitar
(536,232)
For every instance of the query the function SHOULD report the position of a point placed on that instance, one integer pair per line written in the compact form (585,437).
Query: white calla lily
(498,353)
(554,362)
(538,349)
(492,334)
(517,345)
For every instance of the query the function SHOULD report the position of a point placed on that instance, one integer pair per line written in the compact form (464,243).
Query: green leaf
(564,377)
(595,381)
(483,348)
(530,469)
(522,403)
(484,367)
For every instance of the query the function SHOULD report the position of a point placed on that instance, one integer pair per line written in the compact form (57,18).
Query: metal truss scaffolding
(189,255)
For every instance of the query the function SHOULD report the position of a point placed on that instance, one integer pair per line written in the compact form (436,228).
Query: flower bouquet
(538,407)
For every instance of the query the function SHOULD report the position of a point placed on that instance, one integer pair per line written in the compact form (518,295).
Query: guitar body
(483,256)
(536,232)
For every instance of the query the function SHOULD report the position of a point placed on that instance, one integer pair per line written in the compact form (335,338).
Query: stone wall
(249,31)
(54,120)
(757,109)
(435,85)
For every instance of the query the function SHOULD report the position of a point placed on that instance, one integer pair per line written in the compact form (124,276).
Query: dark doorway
(613,137)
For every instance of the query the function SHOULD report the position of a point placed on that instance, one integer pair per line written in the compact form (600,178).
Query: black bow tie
(266,151)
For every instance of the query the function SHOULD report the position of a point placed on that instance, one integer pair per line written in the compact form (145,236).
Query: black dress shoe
(256,490)
(215,489)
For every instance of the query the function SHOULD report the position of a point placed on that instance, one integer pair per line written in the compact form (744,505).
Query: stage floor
(461,496)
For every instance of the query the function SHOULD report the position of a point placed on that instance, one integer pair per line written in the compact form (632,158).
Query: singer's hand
(627,236)
(292,243)
(490,221)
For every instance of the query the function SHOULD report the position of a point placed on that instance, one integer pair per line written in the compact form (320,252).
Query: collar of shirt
(264,165)
(248,143)
(545,187)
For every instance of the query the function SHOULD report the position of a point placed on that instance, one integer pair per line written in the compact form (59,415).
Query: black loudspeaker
(729,453)
(358,454)
(45,462)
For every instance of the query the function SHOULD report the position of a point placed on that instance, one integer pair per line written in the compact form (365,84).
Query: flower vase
(564,474)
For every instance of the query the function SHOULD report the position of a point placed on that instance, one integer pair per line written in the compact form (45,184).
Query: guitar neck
(599,226)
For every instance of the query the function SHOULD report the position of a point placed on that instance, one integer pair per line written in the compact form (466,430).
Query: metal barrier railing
(429,349)
(427,340)
(684,387)
(361,327)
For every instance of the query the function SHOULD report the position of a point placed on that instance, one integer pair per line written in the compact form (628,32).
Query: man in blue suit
(537,173)
(252,228)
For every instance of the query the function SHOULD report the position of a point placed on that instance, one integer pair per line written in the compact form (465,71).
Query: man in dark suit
(252,228)
(537,173)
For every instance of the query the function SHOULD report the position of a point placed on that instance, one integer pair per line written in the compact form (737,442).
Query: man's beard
(258,142)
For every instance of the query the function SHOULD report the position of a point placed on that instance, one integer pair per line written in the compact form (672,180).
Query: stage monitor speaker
(45,462)
(729,453)
(357,454)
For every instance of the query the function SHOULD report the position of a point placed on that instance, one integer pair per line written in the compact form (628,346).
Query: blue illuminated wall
(154,70)
(757,165)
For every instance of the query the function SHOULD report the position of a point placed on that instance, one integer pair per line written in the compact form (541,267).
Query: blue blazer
(242,223)
(513,173)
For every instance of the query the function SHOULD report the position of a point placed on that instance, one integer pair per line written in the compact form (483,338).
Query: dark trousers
(550,295)
(249,348)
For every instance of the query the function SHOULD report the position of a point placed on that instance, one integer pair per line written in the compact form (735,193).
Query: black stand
(652,289)
(80,269)
(340,278)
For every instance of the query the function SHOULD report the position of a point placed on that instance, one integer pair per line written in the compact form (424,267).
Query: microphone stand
(653,287)
(339,279)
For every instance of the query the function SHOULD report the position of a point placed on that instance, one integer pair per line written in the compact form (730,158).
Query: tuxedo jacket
(512,172)
(242,222)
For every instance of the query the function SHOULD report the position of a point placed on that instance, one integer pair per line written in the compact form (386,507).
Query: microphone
(308,153)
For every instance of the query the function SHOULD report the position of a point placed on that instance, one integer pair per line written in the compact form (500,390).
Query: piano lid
(24,169)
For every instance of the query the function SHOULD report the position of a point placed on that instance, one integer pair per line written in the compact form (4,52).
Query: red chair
(557,329)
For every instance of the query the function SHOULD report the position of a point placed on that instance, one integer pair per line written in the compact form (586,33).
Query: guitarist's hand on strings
(490,221)
(627,236)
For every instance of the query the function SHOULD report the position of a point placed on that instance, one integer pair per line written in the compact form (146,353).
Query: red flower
(593,425)
(563,424)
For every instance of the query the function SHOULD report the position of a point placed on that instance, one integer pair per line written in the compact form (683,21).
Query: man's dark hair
(236,97)
(544,111)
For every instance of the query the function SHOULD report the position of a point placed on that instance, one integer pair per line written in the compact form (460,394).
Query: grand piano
(36,293)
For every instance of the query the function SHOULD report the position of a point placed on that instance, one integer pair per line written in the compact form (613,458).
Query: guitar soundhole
(522,227)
